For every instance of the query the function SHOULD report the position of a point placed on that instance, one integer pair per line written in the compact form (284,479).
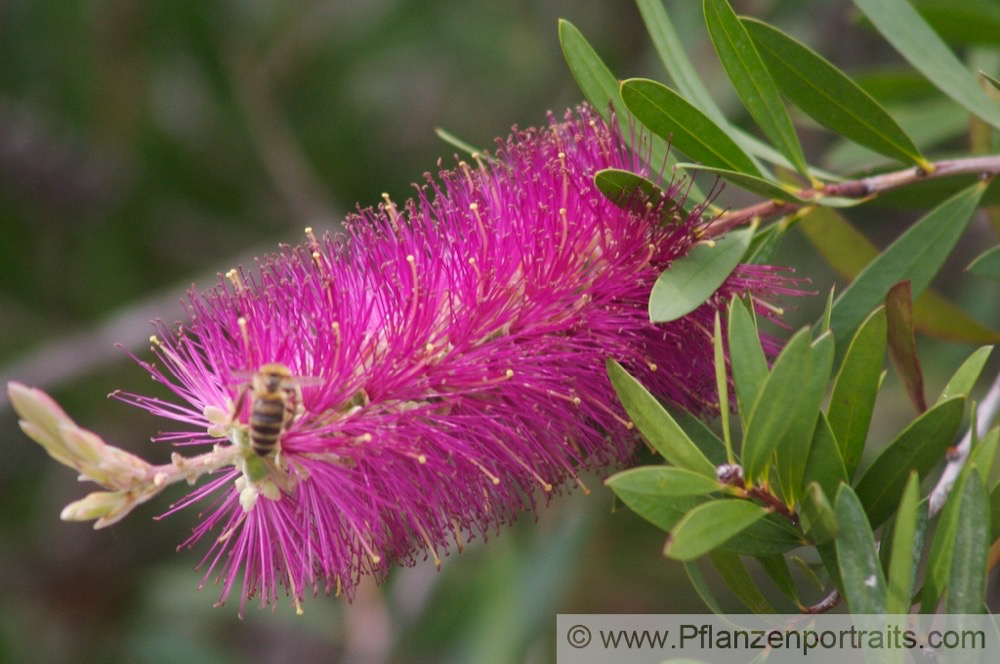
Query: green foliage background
(147,145)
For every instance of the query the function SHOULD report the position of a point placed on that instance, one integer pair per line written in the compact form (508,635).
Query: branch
(864,188)
(985,415)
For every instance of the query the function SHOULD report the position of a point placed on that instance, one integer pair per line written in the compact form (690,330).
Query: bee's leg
(241,398)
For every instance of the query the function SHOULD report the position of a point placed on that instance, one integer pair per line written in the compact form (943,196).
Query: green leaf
(916,256)
(967,581)
(864,582)
(827,312)
(701,587)
(966,22)
(818,518)
(904,558)
(909,34)
(930,123)
(825,466)
(734,573)
(793,450)
(675,60)
(699,433)
(670,116)
(770,535)
(746,357)
(596,81)
(942,546)
(709,525)
(995,512)
(680,69)
(693,278)
(902,343)
(765,243)
(776,568)
(722,386)
(848,252)
(962,382)
(810,571)
(600,87)
(992,81)
(828,96)
(751,183)
(751,79)
(628,190)
(656,424)
(984,454)
(987,264)
(919,447)
(780,395)
(662,511)
(663,481)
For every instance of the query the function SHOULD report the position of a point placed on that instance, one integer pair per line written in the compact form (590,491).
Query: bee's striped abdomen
(267,421)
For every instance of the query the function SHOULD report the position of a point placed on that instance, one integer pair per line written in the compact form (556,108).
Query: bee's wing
(308,381)
(240,378)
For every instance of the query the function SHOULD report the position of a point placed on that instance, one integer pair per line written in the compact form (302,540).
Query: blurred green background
(145,146)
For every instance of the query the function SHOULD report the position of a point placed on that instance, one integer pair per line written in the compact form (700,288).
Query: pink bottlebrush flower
(450,359)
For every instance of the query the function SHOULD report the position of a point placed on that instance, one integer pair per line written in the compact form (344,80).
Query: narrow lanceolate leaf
(903,560)
(662,511)
(692,278)
(688,83)
(663,481)
(600,87)
(628,190)
(710,524)
(746,357)
(903,344)
(856,388)
(828,96)
(780,395)
(751,183)
(656,424)
(825,466)
(699,433)
(995,512)
(864,582)
(984,454)
(701,587)
(962,382)
(770,535)
(765,242)
(722,387)
(916,256)
(987,264)
(670,116)
(793,450)
(848,251)
(943,546)
(818,517)
(738,579)
(776,568)
(596,81)
(751,80)
(675,60)
(990,79)
(967,581)
(918,448)
(916,41)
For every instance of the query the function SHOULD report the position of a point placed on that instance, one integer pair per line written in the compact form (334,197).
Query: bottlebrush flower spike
(449,361)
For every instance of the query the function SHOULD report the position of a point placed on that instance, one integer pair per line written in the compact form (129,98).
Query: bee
(276,402)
